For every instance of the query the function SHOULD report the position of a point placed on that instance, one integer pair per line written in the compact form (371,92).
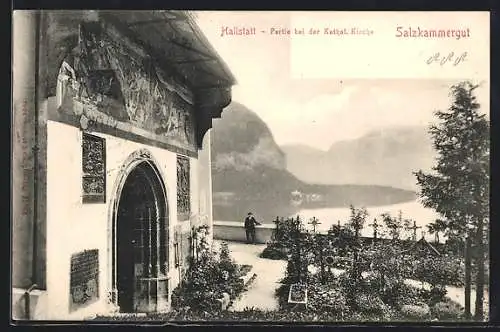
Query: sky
(316,111)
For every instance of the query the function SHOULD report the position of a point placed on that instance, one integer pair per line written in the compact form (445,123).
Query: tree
(392,224)
(458,188)
(341,238)
(357,220)
(437,227)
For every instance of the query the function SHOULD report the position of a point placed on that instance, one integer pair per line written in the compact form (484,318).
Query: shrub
(273,251)
(442,270)
(247,315)
(416,312)
(244,269)
(206,280)
(448,310)
(437,294)
(330,300)
(370,303)
(399,294)
(389,315)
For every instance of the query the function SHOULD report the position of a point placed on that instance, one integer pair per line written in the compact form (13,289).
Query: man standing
(250,224)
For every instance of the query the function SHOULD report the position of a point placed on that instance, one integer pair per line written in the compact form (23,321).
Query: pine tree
(458,189)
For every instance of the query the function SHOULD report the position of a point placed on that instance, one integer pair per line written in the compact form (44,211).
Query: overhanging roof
(175,40)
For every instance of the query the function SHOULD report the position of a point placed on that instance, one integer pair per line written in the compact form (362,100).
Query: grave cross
(414,228)
(374,226)
(276,231)
(314,222)
(338,223)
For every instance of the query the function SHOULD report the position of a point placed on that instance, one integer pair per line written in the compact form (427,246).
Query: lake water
(410,210)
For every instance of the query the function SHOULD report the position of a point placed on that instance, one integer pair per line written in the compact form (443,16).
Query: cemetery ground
(342,277)
(301,275)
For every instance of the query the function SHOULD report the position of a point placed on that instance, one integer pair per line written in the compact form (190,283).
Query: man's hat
(249,213)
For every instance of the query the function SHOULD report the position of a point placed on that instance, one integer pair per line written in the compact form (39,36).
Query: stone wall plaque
(84,279)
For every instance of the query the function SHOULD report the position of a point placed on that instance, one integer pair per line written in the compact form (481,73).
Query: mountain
(249,174)
(384,157)
(242,141)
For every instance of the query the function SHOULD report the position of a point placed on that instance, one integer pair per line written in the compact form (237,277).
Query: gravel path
(269,272)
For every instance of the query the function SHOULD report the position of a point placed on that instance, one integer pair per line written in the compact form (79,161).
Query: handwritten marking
(449,58)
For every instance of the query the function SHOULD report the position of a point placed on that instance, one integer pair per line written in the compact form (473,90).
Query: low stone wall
(235,231)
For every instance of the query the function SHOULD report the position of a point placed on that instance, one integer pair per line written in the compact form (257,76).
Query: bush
(399,294)
(442,270)
(370,304)
(448,310)
(206,280)
(273,251)
(416,312)
(247,315)
(437,294)
(388,316)
(326,299)
(244,269)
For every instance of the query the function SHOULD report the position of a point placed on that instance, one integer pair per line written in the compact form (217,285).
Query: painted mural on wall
(84,278)
(126,86)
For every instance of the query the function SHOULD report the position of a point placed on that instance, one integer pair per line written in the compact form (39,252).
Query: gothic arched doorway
(141,242)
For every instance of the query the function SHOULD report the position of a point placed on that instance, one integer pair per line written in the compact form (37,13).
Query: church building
(111,158)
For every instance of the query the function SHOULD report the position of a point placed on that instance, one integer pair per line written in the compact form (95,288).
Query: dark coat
(250,222)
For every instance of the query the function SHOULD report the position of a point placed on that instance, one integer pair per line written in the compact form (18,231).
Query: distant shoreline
(267,210)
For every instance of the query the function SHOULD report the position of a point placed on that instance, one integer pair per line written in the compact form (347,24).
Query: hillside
(249,174)
(241,141)
(385,157)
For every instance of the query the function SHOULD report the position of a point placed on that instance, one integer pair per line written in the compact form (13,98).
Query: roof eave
(201,36)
